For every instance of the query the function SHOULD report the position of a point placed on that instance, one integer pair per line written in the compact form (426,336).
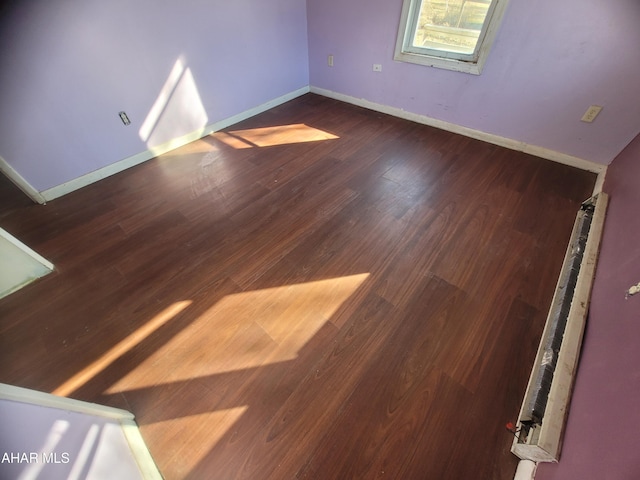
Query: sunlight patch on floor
(245,330)
(122,347)
(204,431)
(271,136)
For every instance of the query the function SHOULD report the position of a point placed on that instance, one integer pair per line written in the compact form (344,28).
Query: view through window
(450,25)
(454,34)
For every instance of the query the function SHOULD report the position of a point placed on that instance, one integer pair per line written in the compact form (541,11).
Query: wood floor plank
(402,372)
(320,291)
(290,435)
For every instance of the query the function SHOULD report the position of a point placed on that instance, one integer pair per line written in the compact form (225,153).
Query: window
(451,34)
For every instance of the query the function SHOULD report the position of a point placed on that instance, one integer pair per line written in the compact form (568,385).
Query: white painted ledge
(147,468)
(526,470)
(20,265)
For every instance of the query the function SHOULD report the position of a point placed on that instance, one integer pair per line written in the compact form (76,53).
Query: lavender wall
(601,439)
(550,61)
(68,67)
(56,444)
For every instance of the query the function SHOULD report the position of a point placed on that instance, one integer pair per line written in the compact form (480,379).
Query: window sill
(474,68)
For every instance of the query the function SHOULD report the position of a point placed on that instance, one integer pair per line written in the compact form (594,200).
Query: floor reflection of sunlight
(203,432)
(210,363)
(270,136)
(120,349)
(245,330)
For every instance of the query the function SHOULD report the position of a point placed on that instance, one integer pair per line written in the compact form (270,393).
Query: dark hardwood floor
(11,198)
(319,292)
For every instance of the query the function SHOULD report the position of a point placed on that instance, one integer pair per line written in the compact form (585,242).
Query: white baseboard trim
(34,397)
(126,419)
(20,182)
(153,152)
(526,470)
(112,169)
(517,145)
(600,181)
(27,251)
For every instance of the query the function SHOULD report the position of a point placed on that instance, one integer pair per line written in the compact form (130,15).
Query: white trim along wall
(20,182)
(535,150)
(20,264)
(141,157)
(89,178)
(63,406)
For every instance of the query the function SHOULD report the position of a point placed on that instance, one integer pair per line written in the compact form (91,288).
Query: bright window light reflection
(177,111)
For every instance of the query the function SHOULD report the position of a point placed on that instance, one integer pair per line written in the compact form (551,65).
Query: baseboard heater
(542,418)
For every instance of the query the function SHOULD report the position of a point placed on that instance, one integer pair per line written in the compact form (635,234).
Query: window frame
(467,63)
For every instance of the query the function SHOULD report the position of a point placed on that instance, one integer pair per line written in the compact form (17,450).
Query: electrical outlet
(124,118)
(591,113)
(330,60)
(377,67)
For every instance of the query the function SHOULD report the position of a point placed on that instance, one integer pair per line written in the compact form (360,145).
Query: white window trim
(433,60)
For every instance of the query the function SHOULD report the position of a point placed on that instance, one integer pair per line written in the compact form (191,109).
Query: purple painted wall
(550,61)
(79,445)
(601,440)
(68,67)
